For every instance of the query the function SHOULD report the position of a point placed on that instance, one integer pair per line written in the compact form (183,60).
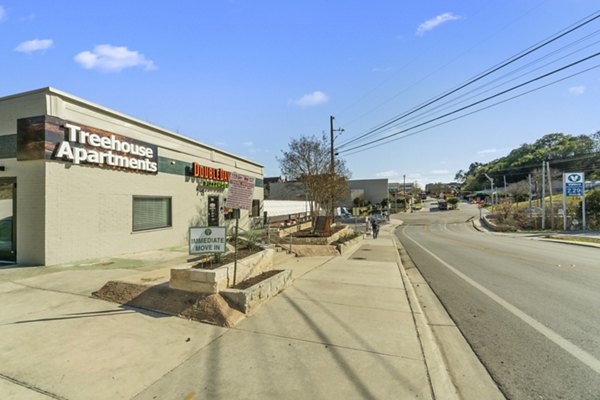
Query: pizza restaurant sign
(213,178)
(92,146)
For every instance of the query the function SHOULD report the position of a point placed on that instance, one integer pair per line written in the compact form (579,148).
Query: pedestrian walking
(374,227)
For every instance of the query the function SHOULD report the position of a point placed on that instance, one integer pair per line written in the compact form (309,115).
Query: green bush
(592,209)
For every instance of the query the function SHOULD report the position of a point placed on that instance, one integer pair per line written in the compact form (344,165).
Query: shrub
(592,209)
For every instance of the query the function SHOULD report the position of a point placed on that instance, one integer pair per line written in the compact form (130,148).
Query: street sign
(574,184)
(241,189)
(207,239)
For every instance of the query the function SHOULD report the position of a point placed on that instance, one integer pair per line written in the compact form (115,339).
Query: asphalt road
(530,309)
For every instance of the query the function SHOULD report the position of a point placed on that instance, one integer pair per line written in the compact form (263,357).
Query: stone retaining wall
(184,277)
(323,240)
(248,300)
(344,247)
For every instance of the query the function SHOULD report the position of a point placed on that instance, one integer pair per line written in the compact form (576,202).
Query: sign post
(573,186)
(241,189)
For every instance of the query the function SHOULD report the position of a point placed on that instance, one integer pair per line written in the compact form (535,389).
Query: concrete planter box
(248,300)
(184,277)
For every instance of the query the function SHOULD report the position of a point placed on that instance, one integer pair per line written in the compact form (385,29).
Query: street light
(492,188)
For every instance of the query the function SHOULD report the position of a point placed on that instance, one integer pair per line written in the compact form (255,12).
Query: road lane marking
(563,343)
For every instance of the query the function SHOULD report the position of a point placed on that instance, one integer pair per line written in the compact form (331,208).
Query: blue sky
(248,76)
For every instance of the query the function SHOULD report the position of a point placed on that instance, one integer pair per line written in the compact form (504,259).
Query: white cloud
(577,90)
(487,151)
(440,172)
(312,99)
(248,144)
(435,22)
(113,59)
(386,174)
(2,14)
(34,45)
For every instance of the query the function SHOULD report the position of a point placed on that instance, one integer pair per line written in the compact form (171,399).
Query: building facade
(80,181)
(374,190)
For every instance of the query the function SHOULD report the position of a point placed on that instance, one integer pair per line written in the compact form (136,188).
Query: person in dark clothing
(375,227)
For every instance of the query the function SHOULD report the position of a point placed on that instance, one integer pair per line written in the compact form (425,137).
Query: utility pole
(550,190)
(504,176)
(331,168)
(543,195)
(530,196)
(404,191)
(332,164)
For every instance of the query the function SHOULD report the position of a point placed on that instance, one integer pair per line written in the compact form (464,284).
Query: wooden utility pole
(331,165)
(530,205)
(550,190)
(543,195)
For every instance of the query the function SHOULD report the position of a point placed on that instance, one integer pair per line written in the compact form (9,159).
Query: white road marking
(563,343)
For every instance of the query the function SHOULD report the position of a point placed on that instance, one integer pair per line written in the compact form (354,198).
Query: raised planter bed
(184,277)
(247,300)
(317,240)
(344,247)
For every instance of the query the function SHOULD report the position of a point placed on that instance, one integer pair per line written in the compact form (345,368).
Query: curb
(438,376)
(574,243)
(455,372)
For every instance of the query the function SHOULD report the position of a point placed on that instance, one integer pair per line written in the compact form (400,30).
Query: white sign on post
(207,239)
(241,189)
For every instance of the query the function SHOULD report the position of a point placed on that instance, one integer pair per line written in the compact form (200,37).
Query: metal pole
(584,226)
(235,254)
(564,204)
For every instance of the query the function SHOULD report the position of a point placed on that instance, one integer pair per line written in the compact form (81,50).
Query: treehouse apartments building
(80,181)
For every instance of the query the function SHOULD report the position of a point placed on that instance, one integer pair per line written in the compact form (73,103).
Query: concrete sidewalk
(347,328)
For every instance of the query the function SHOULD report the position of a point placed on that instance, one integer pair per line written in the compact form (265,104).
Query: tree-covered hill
(566,153)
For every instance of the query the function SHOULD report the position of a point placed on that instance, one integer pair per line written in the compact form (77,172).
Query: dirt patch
(209,308)
(226,259)
(257,279)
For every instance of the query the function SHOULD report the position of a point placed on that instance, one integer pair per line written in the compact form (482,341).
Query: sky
(248,77)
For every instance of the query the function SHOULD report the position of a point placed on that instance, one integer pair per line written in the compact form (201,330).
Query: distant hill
(566,153)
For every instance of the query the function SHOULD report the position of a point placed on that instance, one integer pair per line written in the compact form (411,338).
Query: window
(151,213)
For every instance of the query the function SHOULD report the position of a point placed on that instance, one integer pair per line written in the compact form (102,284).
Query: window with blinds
(151,213)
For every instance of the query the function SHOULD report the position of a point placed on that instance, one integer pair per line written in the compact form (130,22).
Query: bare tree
(307,161)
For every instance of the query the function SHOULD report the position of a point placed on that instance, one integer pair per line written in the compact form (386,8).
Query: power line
(471,113)
(577,25)
(475,103)
(456,101)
